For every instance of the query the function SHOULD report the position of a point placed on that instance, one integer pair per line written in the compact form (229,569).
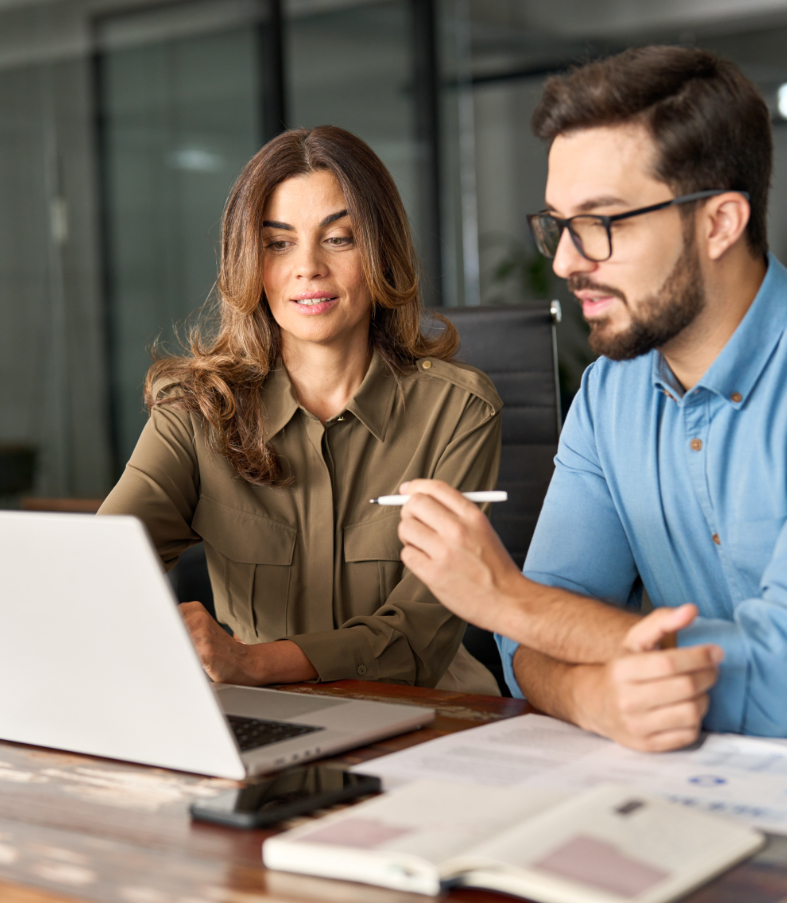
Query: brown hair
(227,365)
(710,124)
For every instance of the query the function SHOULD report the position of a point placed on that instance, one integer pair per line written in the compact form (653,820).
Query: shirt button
(361,669)
(696,444)
(716,539)
(426,365)
(736,397)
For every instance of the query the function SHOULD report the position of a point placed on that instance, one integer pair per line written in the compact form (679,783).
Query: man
(672,465)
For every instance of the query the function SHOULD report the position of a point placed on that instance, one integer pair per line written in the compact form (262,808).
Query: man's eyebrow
(606,200)
(333,217)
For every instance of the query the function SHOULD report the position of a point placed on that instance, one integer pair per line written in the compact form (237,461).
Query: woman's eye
(340,240)
(278,245)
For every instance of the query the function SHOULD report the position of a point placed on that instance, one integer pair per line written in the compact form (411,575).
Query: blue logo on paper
(707,780)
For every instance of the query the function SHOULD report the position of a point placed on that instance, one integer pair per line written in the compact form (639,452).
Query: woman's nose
(310,260)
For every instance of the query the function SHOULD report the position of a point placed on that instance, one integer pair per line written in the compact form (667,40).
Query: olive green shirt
(313,561)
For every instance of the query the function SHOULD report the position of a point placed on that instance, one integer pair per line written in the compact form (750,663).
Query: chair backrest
(516,347)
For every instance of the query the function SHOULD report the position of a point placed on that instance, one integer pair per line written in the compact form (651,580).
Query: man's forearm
(562,625)
(451,547)
(549,685)
(649,700)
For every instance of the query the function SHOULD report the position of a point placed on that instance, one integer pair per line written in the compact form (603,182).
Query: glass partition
(181,111)
(353,66)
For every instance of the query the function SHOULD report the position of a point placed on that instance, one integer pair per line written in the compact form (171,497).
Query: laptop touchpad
(282,706)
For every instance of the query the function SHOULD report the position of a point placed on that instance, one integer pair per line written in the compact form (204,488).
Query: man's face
(651,288)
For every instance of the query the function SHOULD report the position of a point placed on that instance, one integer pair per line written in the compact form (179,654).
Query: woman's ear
(724,219)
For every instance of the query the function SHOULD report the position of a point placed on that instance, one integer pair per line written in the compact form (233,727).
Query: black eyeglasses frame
(607,220)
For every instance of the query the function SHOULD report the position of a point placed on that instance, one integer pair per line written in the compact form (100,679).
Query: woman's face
(311,266)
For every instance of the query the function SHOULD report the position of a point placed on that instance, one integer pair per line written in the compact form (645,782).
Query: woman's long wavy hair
(232,354)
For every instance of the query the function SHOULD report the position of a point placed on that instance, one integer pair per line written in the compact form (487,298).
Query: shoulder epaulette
(464,377)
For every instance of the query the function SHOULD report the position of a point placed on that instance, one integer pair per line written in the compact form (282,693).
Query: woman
(316,392)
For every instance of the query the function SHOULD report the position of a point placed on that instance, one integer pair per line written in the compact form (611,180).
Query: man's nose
(568,260)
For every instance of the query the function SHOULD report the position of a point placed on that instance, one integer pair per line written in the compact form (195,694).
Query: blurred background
(123,124)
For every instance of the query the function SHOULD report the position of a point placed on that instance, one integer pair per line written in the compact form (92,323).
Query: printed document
(743,778)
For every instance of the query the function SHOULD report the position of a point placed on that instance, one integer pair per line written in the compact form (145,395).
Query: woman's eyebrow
(333,217)
(275,224)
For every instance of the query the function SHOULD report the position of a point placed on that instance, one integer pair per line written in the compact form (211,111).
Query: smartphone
(285,795)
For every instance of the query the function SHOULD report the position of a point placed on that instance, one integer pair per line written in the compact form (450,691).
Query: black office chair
(516,347)
(190,580)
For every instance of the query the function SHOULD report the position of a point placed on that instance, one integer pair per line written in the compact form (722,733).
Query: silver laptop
(95,659)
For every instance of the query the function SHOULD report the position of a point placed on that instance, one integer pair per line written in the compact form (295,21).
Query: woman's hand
(228,661)
(225,659)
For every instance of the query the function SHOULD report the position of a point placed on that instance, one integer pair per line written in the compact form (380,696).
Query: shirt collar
(279,401)
(372,403)
(735,371)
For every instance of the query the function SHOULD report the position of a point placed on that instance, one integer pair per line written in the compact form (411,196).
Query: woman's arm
(226,660)
(160,484)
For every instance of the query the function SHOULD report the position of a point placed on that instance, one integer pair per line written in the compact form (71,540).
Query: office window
(181,106)
(354,65)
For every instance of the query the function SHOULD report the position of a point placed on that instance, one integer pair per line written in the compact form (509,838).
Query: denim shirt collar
(734,373)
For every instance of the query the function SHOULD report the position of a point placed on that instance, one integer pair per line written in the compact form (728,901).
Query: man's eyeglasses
(591,232)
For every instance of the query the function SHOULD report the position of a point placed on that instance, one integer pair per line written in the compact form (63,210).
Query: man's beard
(658,318)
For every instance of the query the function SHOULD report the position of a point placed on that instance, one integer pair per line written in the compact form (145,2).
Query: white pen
(493,496)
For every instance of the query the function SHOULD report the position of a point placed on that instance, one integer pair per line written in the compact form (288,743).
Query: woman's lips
(311,303)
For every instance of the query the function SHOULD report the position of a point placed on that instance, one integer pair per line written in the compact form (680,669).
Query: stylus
(492,496)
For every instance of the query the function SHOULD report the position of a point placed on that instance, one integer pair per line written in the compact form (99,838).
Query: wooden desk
(78,828)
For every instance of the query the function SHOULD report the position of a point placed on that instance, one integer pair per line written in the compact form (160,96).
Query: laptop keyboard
(252,733)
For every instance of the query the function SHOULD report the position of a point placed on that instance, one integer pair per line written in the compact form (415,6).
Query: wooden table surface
(79,828)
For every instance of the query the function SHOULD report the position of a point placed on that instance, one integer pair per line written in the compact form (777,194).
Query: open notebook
(606,845)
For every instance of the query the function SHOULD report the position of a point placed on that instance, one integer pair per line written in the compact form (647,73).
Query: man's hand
(650,698)
(450,545)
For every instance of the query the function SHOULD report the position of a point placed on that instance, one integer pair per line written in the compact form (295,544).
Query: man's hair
(710,125)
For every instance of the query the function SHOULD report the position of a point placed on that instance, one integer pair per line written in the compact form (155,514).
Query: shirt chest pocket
(372,563)
(250,559)
(752,545)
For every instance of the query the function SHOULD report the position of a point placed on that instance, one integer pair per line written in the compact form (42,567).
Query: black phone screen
(292,792)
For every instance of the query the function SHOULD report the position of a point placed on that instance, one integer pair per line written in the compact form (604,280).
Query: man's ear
(723,220)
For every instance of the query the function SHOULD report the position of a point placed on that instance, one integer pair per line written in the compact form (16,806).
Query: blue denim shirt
(685,493)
